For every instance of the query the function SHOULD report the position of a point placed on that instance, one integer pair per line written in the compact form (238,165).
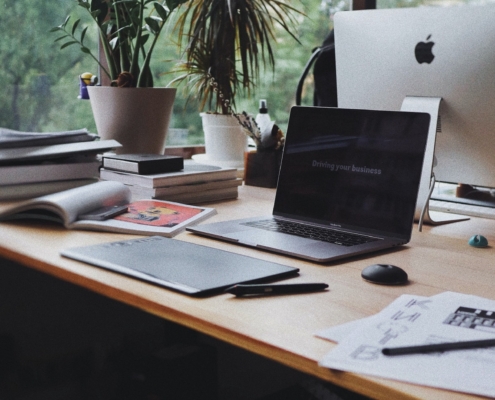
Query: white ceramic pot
(138,118)
(225,139)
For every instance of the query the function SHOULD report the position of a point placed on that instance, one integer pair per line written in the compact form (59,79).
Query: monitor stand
(430,105)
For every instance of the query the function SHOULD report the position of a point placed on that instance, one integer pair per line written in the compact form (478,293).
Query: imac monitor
(384,55)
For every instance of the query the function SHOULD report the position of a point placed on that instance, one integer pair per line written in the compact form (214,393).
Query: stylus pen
(429,348)
(241,290)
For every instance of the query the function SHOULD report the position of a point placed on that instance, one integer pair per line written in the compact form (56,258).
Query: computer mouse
(384,274)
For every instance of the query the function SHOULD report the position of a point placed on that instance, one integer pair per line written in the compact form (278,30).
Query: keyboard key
(311,232)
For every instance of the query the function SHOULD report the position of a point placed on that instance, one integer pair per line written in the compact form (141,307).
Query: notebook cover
(185,267)
(143,163)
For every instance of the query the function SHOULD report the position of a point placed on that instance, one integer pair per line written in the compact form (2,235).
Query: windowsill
(184,151)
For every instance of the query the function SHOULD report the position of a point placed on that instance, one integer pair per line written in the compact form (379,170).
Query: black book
(143,164)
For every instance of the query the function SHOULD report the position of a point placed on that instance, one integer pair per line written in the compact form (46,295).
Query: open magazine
(76,208)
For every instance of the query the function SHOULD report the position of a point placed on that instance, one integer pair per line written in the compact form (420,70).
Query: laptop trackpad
(277,240)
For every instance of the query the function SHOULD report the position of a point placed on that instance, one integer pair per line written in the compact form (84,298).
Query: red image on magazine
(155,213)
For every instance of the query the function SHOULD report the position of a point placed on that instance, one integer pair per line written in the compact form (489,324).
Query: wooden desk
(281,328)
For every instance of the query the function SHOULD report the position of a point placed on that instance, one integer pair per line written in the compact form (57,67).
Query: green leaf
(83,4)
(99,10)
(113,43)
(68,44)
(106,26)
(152,25)
(60,38)
(65,22)
(161,11)
(83,34)
(74,27)
(85,50)
(172,4)
(143,39)
(57,28)
(133,3)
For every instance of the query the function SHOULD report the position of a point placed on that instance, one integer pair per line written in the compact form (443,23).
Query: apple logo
(423,51)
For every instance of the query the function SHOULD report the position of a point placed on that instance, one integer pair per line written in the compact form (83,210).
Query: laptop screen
(353,169)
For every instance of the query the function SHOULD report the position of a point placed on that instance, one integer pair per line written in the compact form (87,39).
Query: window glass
(41,82)
(279,87)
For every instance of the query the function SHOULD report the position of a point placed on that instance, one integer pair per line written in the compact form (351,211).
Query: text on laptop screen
(352,168)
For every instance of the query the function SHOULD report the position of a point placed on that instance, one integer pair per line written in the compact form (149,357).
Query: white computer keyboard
(462,209)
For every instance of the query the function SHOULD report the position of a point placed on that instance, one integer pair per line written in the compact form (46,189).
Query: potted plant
(129,110)
(227,43)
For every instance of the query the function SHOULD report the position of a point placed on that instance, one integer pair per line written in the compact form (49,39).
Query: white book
(18,174)
(205,197)
(18,154)
(164,192)
(192,173)
(35,189)
(143,217)
(11,138)
(209,196)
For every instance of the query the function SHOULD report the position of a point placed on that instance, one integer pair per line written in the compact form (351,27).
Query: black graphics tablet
(185,267)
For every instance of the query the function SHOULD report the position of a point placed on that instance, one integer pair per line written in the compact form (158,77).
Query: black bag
(324,72)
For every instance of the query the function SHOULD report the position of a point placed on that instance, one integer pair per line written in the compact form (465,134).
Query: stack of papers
(416,320)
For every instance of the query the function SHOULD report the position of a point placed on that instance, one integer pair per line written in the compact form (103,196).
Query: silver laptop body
(343,172)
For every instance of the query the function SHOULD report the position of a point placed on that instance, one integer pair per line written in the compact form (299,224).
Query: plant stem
(145,70)
(134,70)
(108,55)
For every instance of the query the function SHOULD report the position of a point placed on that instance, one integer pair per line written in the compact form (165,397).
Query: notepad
(181,266)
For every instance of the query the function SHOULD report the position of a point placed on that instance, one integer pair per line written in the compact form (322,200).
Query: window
(41,84)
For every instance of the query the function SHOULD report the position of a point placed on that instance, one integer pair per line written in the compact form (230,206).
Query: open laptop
(347,185)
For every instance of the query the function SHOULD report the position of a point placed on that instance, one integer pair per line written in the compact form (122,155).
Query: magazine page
(68,204)
(151,217)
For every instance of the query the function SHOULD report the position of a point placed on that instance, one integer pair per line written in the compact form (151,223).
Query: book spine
(204,197)
(162,192)
(146,166)
(153,182)
(22,174)
(121,165)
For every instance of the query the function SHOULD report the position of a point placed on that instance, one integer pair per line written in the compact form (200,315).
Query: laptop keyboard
(311,232)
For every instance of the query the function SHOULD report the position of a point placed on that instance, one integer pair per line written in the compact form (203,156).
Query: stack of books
(35,164)
(194,184)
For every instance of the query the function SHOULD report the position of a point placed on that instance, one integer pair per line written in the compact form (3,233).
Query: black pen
(429,348)
(241,290)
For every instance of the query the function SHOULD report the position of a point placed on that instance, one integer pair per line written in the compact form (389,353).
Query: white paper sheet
(340,332)
(412,320)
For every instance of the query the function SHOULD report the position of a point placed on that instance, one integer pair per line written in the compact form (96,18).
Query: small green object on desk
(478,241)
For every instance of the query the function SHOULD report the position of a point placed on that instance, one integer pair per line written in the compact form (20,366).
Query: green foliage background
(40,82)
